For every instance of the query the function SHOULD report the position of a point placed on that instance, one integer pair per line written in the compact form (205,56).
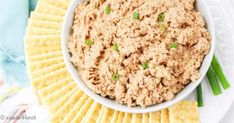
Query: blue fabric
(13,21)
(32,4)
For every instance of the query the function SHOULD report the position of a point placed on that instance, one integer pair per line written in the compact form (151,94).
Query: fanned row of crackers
(56,89)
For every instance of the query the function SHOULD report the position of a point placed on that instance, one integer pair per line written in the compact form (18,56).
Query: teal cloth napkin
(13,21)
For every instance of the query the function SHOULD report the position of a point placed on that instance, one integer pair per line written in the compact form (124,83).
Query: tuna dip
(138,52)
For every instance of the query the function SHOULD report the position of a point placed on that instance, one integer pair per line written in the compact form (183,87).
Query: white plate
(216,106)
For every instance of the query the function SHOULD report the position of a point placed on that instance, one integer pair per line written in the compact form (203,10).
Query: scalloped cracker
(184,112)
(165,116)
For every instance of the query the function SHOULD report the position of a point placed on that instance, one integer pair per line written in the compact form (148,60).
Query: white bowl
(66,28)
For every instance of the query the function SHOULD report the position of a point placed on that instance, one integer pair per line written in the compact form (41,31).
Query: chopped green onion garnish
(162,27)
(136,15)
(219,72)
(115,77)
(213,81)
(199,96)
(173,45)
(115,47)
(161,17)
(89,42)
(145,65)
(108,10)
